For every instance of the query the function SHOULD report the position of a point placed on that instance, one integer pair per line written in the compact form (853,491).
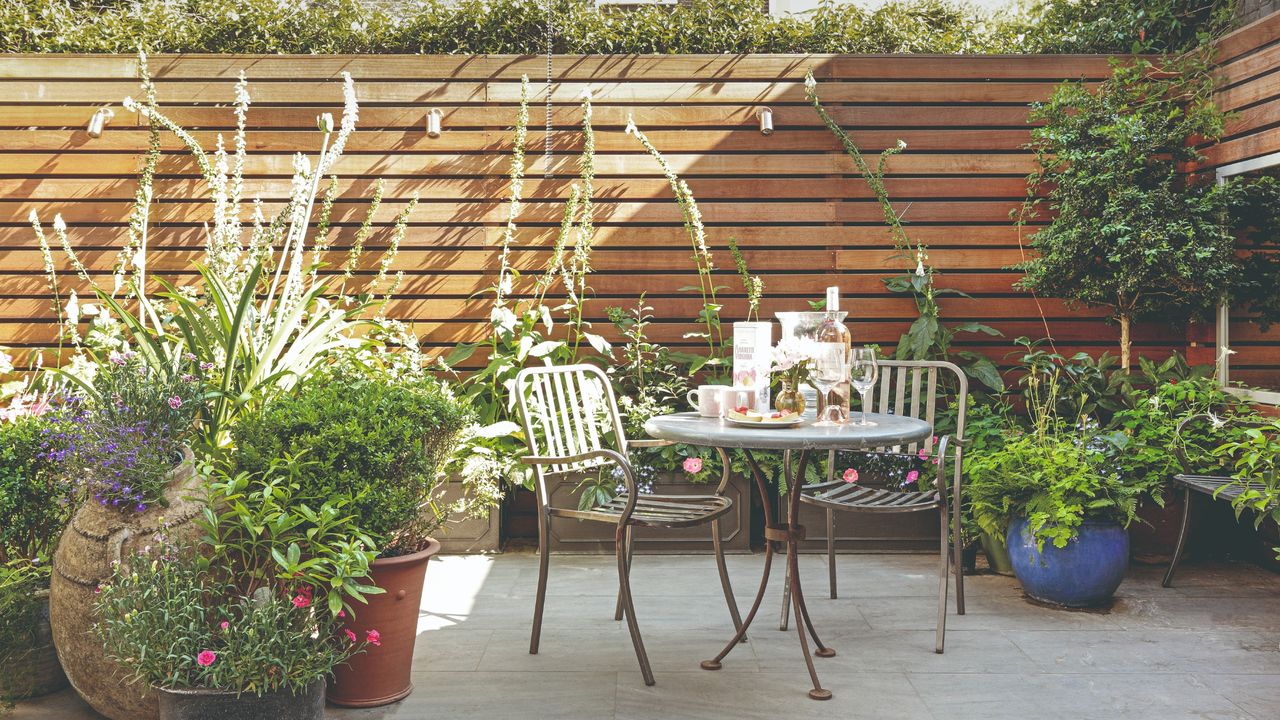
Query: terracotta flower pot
(381,674)
(96,537)
(201,704)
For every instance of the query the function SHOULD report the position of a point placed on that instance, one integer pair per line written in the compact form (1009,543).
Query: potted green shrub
(35,504)
(379,442)
(1062,509)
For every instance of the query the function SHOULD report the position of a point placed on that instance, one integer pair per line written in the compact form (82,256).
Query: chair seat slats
(860,498)
(1223,488)
(656,510)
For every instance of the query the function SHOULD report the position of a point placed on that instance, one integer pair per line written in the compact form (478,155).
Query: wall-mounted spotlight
(100,118)
(434,119)
(766,120)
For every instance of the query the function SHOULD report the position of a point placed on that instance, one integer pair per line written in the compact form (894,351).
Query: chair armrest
(628,475)
(649,443)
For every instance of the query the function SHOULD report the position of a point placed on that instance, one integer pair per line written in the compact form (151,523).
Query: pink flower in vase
(692,465)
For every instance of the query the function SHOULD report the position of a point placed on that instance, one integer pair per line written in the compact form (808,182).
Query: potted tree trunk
(382,442)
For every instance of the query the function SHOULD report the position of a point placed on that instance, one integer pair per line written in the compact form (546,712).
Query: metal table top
(693,429)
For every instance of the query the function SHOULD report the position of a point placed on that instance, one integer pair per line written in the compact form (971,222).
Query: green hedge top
(581,27)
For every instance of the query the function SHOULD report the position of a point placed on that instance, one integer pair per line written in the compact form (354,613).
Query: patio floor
(1207,648)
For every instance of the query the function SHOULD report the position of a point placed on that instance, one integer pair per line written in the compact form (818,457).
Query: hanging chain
(546,136)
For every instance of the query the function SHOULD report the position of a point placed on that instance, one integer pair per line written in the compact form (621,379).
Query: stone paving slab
(1208,648)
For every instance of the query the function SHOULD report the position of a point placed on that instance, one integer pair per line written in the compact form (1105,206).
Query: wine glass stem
(864,407)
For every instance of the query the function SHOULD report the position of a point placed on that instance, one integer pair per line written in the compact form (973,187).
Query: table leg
(803,622)
(763,489)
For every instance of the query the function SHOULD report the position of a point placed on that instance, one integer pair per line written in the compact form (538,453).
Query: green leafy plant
(1054,473)
(23,593)
(1253,456)
(928,338)
(517,27)
(379,444)
(1130,231)
(274,532)
(35,498)
(174,625)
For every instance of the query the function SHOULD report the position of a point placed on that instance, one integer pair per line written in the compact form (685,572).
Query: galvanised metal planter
(201,704)
(1085,573)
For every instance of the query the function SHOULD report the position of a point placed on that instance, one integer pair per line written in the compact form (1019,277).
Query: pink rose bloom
(851,475)
(913,476)
(175,402)
(206,658)
(693,465)
(224,625)
(373,636)
(923,454)
(301,601)
(351,636)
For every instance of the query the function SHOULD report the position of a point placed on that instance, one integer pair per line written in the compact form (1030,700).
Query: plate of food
(744,417)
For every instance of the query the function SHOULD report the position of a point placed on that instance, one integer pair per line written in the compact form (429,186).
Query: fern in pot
(380,441)
(1063,510)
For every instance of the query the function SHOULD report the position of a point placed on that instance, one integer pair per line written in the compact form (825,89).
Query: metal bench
(1218,487)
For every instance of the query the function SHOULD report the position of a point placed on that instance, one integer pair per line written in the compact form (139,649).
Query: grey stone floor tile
(1112,696)
(1145,657)
(499,696)
(967,651)
(1152,651)
(1256,694)
(768,696)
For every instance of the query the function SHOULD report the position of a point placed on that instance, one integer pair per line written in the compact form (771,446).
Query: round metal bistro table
(692,429)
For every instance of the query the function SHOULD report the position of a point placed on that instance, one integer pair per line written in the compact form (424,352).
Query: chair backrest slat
(567,411)
(913,388)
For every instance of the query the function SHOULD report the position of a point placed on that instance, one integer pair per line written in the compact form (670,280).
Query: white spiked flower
(59,225)
(73,309)
(631,128)
(809,81)
(902,145)
(324,121)
(32,217)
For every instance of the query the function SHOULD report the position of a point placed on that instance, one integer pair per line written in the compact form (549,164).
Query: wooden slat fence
(792,200)
(1249,77)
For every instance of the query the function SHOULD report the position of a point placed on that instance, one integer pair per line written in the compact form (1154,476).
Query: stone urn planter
(200,704)
(96,538)
(381,674)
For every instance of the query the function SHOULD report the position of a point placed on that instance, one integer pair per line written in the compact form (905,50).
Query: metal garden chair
(911,388)
(571,426)
(1217,487)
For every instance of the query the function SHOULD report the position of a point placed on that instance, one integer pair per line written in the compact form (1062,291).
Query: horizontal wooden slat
(379,91)
(609,67)
(705,189)
(912,163)
(263,116)
(607,141)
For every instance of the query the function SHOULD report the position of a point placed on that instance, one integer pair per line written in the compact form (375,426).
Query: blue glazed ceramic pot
(1084,573)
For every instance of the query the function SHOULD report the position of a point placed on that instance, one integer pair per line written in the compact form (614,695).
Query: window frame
(1223,324)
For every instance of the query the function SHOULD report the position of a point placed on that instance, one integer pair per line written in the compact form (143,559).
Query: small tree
(1132,231)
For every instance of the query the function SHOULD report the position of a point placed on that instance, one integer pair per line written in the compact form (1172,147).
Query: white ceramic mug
(706,399)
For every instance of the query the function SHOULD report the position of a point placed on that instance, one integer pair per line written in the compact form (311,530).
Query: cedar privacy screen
(792,200)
